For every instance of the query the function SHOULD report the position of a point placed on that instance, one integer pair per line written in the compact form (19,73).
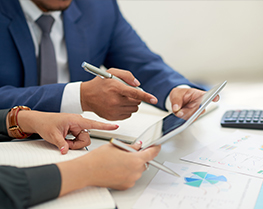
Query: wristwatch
(14,129)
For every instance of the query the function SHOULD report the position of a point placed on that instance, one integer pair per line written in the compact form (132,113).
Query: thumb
(137,145)
(176,96)
(150,153)
(62,145)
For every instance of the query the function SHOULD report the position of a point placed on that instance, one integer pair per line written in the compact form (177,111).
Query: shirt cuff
(71,99)
(168,104)
(44,183)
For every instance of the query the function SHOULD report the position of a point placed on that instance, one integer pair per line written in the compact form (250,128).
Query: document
(201,187)
(238,152)
(40,152)
(130,128)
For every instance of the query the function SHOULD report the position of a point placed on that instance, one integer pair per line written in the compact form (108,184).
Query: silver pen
(102,73)
(156,164)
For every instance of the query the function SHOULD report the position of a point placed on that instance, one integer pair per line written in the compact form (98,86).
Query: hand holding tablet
(171,125)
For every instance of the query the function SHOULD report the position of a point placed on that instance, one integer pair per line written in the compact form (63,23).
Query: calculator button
(230,120)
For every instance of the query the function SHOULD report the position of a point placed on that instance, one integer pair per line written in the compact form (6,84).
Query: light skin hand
(185,101)
(112,99)
(106,166)
(53,127)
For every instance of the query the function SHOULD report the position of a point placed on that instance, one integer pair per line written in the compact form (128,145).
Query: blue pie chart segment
(196,183)
(198,178)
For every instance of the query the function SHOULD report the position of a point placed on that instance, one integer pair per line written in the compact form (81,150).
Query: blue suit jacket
(95,32)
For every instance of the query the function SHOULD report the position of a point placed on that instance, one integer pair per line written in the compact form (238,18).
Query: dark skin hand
(111,99)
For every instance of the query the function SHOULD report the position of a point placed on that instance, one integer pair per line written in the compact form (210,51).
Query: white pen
(156,164)
(102,73)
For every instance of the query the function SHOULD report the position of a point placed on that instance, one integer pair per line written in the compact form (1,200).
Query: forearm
(74,175)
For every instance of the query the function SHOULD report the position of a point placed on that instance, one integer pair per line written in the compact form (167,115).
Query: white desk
(204,131)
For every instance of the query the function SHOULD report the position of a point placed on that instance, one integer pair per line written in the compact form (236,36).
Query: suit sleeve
(3,131)
(43,98)
(24,187)
(128,51)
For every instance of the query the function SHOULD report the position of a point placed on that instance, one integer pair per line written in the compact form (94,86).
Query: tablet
(171,125)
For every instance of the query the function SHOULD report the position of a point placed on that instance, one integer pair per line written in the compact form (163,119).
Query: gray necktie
(47,57)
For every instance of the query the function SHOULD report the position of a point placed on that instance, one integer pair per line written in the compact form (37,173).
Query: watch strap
(14,128)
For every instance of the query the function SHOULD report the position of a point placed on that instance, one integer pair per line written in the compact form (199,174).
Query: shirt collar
(32,12)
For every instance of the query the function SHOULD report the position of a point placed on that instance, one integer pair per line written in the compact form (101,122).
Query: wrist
(84,95)
(74,174)
(14,128)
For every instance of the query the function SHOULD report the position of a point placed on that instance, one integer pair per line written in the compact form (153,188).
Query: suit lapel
(20,33)
(22,37)
(76,36)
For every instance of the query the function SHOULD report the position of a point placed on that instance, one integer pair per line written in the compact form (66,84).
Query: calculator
(250,119)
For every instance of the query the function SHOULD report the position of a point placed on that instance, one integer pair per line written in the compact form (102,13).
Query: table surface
(204,131)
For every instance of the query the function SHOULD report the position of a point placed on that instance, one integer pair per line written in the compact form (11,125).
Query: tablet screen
(172,125)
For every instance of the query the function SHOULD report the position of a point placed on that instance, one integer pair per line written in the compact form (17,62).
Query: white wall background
(206,41)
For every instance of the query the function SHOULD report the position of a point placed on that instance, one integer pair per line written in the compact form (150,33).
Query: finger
(176,98)
(137,145)
(92,124)
(150,153)
(128,101)
(138,95)
(61,144)
(64,149)
(216,99)
(78,144)
(125,75)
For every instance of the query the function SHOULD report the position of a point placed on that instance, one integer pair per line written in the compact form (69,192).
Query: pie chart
(199,178)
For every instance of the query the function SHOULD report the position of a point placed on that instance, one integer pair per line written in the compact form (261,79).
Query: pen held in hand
(156,164)
(103,74)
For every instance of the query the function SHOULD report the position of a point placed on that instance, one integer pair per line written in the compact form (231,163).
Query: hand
(106,166)
(54,127)
(185,101)
(112,99)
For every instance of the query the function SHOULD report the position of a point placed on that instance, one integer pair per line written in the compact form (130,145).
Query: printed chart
(239,152)
(201,188)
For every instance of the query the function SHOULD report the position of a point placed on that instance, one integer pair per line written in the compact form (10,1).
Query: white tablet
(171,125)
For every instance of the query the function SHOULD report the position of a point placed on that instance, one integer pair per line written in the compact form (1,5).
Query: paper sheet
(33,153)
(130,128)
(200,187)
(239,152)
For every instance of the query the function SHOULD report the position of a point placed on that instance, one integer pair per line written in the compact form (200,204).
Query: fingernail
(153,100)
(179,114)
(61,150)
(175,107)
(139,142)
(117,126)
(136,82)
